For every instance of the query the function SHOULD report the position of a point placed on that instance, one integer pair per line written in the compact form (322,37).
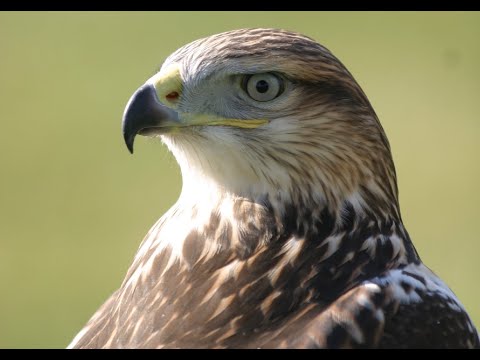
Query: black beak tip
(128,134)
(129,139)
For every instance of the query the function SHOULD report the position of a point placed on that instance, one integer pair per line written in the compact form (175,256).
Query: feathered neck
(213,172)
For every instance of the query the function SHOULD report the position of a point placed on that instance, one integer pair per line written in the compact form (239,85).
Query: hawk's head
(264,112)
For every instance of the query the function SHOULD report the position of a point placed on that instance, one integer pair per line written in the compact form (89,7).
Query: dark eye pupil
(262,86)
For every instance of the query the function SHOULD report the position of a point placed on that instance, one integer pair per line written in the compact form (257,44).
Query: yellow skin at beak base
(170,80)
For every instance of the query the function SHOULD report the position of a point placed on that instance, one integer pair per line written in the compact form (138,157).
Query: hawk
(287,232)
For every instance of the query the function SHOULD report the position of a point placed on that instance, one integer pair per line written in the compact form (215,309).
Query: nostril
(172,96)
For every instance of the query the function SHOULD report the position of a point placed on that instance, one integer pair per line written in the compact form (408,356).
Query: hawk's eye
(263,87)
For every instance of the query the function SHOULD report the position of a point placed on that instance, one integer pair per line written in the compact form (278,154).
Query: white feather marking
(369,245)
(398,246)
(290,251)
(372,287)
(333,244)
(358,203)
(292,248)
(433,285)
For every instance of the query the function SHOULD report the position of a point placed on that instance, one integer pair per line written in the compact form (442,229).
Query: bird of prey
(287,232)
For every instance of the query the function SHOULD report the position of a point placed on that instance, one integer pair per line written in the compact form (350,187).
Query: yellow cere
(166,82)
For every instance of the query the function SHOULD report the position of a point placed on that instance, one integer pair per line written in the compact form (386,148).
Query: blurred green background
(74,204)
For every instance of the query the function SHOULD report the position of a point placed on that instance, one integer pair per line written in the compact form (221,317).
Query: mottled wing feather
(355,320)
(370,315)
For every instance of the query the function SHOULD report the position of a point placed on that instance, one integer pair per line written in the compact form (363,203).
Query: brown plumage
(288,231)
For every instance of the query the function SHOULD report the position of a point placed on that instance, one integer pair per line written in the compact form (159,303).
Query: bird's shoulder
(424,312)
(408,307)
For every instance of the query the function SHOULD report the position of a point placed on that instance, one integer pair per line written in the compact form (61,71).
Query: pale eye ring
(263,87)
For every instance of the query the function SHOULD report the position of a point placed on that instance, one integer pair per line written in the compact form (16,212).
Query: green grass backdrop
(74,204)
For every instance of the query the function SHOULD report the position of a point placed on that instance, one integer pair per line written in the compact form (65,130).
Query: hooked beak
(145,115)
